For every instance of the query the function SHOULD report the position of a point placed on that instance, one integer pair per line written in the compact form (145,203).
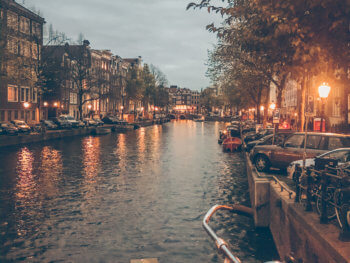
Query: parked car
(21,126)
(90,122)
(267,140)
(98,121)
(70,119)
(252,136)
(81,124)
(8,128)
(50,125)
(281,155)
(61,123)
(110,119)
(341,155)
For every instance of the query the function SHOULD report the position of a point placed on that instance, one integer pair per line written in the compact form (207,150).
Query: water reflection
(50,170)
(116,197)
(25,184)
(91,157)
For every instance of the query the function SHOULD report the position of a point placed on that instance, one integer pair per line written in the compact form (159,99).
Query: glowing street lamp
(45,104)
(89,107)
(262,108)
(323,92)
(55,104)
(26,105)
(272,106)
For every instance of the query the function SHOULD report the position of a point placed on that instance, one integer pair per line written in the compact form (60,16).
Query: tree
(277,38)
(159,76)
(79,64)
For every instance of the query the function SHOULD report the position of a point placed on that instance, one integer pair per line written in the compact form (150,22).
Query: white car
(341,154)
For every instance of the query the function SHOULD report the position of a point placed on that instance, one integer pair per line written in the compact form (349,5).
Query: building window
(16,114)
(22,114)
(12,93)
(24,94)
(35,95)
(33,115)
(24,25)
(9,115)
(12,20)
(12,45)
(2,115)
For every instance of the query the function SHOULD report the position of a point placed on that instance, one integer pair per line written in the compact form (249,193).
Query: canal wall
(6,140)
(294,231)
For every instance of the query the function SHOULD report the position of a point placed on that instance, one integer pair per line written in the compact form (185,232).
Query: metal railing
(221,245)
(329,190)
(283,186)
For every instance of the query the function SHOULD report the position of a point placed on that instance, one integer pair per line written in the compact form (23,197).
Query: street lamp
(26,105)
(45,104)
(323,92)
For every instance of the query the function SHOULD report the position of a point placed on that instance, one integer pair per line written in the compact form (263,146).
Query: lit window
(12,93)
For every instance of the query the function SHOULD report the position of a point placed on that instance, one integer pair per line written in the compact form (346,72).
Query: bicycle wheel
(331,209)
(338,200)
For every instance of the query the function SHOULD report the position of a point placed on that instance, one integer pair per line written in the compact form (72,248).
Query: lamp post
(122,108)
(26,105)
(89,107)
(323,92)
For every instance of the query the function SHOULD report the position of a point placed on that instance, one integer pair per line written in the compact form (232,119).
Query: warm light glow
(46,104)
(89,107)
(262,108)
(26,105)
(55,104)
(156,108)
(324,90)
(272,106)
(122,107)
(142,108)
(295,114)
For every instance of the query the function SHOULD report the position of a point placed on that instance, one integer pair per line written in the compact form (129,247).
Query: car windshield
(20,123)
(70,118)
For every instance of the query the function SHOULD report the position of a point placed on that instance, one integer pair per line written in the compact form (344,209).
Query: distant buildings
(41,81)
(184,100)
(21,39)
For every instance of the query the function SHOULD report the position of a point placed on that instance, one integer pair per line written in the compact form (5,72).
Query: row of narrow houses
(41,81)
(21,40)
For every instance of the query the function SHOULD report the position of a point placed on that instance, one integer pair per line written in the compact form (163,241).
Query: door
(291,151)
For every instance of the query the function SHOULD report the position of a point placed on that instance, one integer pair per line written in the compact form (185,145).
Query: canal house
(21,41)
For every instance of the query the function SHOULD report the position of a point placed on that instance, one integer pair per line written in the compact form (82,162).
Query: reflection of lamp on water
(323,92)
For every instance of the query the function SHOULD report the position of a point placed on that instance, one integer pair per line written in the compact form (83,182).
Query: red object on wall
(317,124)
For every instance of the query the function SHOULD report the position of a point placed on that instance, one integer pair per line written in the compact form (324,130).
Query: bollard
(324,185)
(296,179)
(344,216)
(308,206)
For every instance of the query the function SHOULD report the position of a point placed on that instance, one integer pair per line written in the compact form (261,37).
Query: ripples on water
(123,196)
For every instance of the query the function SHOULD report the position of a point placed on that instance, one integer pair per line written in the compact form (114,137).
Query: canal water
(118,197)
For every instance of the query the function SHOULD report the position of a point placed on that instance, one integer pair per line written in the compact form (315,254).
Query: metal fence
(328,191)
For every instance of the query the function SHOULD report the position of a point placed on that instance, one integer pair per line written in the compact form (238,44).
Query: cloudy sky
(161,31)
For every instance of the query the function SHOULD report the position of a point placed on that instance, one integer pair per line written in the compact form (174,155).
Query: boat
(199,118)
(123,126)
(232,140)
